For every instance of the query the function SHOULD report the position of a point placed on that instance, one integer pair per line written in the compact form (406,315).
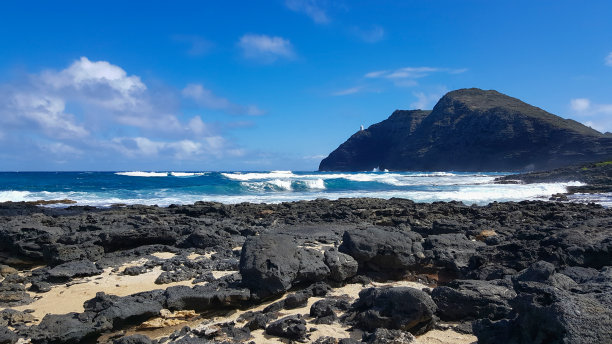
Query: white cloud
(311,8)
(608,60)
(348,91)
(265,48)
(206,99)
(98,82)
(372,35)
(427,100)
(599,115)
(580,104)
(95,109)
(46,112)
(412,72)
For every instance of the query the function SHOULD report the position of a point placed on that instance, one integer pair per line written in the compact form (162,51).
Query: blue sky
(260,85)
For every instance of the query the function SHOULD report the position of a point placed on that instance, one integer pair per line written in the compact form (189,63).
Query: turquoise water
(165,188)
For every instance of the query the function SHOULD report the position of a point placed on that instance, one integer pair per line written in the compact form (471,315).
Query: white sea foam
(315,184)
(469,194)
(14,196)
(187,174)
(142,174)
(258,176)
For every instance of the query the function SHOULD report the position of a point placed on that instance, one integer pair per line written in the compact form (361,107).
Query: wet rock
(291,327)
(399,308)
(473,299)
(341,266)
(385,336)
(383,250)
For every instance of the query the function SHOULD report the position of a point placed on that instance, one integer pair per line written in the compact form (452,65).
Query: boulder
(385,336)
(341,266)
(70,270)
(399,308)
(383,250)
(271,264)
(292,327)
(473,299)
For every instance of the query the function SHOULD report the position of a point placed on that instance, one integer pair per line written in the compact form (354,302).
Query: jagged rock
(120,311)
(201,298)
(134,270)
(7,336)
(383,250)
(68,328)
(271,264)
(399,308)
(67,271)
(385,336)
(341,266)
(451,251)
(133,339)
(40,287)
(6,270)
(473,299)
(471,130)
(547,312)
(13,294)
(292,327)
(297,300)
(259,321)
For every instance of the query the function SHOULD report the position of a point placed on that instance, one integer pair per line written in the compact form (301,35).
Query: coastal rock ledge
(471,130)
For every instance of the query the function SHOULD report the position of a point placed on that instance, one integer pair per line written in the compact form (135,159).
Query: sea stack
(471,130)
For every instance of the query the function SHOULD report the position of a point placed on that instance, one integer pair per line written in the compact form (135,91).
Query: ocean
(164,188)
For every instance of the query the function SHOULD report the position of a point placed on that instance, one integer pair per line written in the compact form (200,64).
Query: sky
(278,84)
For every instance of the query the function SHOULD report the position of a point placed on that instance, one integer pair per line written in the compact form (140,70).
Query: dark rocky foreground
(528,272)
(471,130)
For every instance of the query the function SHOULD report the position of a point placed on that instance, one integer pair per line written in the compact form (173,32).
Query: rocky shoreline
(345,271)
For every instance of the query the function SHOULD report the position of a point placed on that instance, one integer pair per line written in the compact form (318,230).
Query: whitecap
(187,174)
(142,174)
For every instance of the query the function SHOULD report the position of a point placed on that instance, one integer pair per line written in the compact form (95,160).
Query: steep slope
(471,130)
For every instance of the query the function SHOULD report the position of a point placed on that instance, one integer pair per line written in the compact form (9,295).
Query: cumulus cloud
(608,60)
(96,109)
(312,8)
(597,116)
(266,49)
(208,100)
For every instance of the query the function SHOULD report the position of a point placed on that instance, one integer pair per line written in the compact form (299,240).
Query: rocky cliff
(471,130)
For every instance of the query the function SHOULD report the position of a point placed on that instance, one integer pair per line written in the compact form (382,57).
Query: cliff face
(471,130)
